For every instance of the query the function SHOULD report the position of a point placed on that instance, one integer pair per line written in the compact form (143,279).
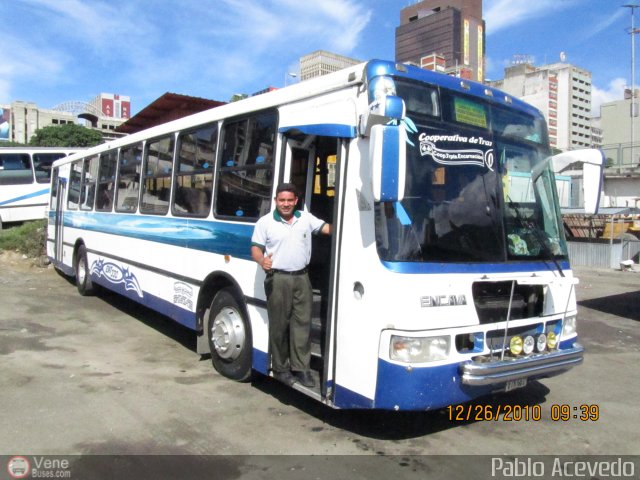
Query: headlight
(541,343)
(419,349)
(569,327)
(552,340)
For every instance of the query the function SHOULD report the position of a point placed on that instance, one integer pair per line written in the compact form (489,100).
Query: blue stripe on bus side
(25,197)
(180,315)
(207,235)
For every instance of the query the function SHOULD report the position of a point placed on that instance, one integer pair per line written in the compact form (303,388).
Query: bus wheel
(83,277)
(229,337)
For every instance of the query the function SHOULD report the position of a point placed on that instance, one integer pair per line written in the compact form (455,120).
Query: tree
(68,135)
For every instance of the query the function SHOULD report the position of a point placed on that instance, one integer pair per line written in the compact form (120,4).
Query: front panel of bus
(461,287)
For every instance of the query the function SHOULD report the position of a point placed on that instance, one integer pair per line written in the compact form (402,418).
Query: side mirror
(387,153)
(384,110)
(593,161)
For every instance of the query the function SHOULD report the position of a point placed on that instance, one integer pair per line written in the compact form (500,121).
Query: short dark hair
(287,187)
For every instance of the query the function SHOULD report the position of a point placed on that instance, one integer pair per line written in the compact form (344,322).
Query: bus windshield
(478,187)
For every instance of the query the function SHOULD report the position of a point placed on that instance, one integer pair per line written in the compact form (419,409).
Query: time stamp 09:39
(526,413)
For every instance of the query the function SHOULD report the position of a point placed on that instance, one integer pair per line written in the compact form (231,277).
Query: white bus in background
(25,176)
(436,287)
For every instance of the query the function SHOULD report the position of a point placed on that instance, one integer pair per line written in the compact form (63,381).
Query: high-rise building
(562,92)
(322,62)
(448,29)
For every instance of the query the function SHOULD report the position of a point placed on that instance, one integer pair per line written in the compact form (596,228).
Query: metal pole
(633,85)
(632,32)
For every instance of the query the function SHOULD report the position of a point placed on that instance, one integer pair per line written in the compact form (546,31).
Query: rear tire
(83,275)
(230,338)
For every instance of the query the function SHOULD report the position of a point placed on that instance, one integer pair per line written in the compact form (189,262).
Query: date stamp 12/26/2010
(523,413)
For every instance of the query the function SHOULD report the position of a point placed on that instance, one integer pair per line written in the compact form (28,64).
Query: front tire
(230,338)
(83,275)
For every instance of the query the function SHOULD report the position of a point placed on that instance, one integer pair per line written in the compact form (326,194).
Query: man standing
(281,245)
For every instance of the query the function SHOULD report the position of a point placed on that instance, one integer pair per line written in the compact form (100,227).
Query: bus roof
(350,76)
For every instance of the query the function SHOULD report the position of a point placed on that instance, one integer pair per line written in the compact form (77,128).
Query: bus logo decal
(116,275)
(468,156)
(443,301)
(183,295)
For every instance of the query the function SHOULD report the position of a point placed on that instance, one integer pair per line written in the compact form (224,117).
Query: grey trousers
(289,304)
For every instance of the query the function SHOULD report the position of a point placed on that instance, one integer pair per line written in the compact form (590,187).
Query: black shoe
(285,377)
(305,379)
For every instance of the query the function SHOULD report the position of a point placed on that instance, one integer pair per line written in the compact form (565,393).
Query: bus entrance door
(313,172)
(60,186)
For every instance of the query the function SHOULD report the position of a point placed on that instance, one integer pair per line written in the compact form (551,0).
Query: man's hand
(267,262)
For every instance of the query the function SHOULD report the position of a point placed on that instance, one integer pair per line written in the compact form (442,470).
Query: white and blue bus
(446,276)
(25,176)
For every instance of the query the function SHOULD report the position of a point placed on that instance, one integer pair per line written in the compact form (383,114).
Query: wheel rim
(82,271)
(227,334)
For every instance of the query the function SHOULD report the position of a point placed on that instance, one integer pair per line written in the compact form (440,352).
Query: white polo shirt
(290,243)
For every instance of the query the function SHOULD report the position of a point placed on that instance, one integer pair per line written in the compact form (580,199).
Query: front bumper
(501,371)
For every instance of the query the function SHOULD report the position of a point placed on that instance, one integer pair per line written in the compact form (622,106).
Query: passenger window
(129,178)
(194,172)
(88,187)
(53,198)
(75,182)
(15,169)
(106,181)
(42,165)
(245,169)
(158,165)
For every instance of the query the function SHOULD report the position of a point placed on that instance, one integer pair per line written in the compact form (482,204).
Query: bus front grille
(491,300)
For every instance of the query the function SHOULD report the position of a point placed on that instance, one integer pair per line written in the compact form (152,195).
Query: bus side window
(53,203)
(194,171)
(129,178)
(106,181)
(75,182)
(158,166)
(15,169)
(245,168)
(88,186)
(42,165)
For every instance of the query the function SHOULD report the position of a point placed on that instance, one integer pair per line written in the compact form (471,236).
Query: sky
(54,51)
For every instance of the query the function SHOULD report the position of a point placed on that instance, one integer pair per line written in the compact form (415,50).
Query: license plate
(513,384)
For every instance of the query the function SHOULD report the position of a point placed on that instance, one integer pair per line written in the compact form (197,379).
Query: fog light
(552,340)
(541,342)
(515,345)
(528,345)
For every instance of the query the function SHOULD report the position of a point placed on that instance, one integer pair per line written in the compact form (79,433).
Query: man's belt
(287,272)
